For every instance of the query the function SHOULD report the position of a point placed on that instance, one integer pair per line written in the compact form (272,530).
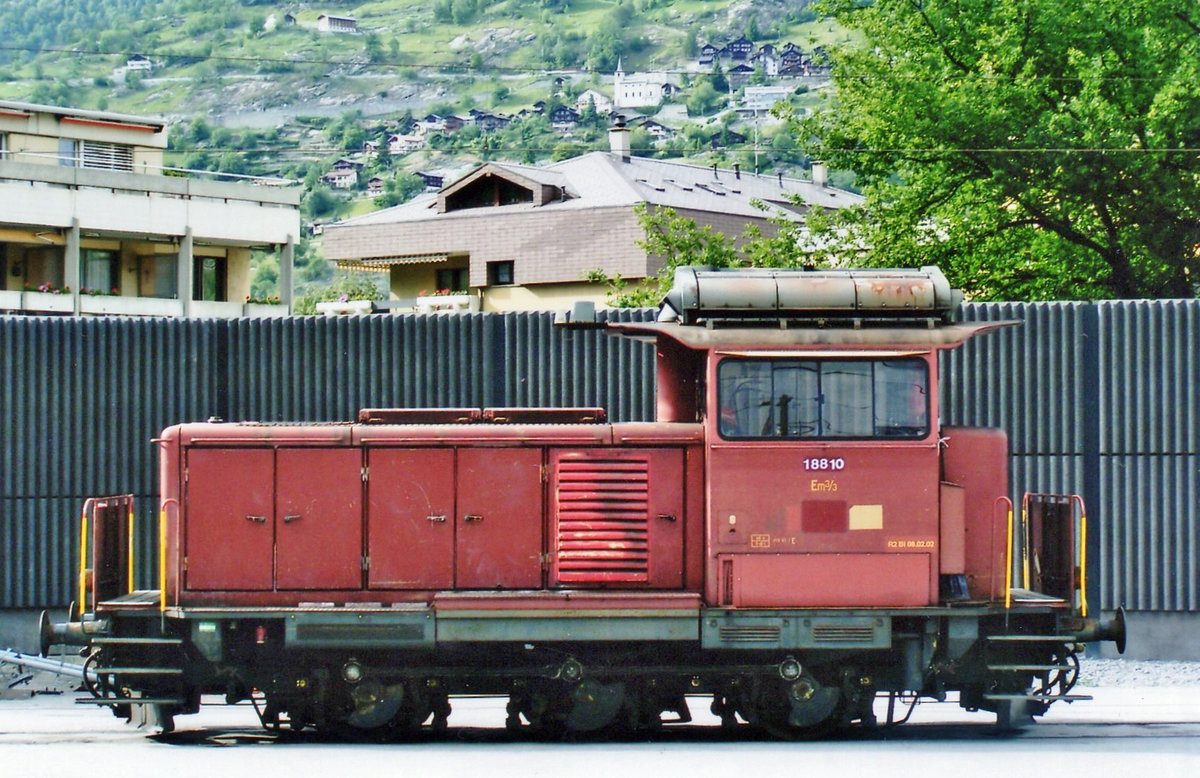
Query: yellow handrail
(1083,603)
(1008,561)
(83,549)
(162,560)
(129,553)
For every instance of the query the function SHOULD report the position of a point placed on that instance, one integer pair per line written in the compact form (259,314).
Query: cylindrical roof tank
(700,294)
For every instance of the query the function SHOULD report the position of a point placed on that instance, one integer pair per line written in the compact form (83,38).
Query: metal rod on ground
(33,662)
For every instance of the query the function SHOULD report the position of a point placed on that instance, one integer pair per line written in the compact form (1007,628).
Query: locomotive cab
(827,470)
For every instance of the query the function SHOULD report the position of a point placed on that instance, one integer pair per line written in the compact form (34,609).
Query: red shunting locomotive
(794,537)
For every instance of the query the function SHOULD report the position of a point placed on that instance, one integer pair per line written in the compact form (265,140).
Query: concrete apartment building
(91,223)
(512,237)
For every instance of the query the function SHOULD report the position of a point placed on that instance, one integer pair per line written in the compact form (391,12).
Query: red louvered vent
(603,528)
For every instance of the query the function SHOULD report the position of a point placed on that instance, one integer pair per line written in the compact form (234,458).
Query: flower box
(130,306)
(48,302)
(446,303)
(345,307)
(214,309)
(265,310)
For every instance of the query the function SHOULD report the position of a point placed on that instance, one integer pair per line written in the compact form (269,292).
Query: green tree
(1033,148)
(679,241)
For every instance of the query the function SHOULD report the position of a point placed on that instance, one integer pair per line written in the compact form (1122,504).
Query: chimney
(737,171)
(820,174)
(618,139)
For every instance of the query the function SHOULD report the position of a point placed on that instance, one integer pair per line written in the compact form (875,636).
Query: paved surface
(1123,731)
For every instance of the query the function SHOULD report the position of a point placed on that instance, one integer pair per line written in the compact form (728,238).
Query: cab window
(823,398)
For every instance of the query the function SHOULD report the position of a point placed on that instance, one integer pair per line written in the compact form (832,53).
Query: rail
(106,549)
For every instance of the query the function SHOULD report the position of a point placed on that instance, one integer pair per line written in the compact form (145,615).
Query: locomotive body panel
(318,518)
(880,504)
(501,525)
(400,513)
(410,518)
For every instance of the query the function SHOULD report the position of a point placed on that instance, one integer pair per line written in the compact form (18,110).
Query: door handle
(291,517)
(472,517)
(441,519)
(666,517)
(257,519)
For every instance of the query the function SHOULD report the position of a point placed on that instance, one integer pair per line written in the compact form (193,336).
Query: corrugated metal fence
(1101,398)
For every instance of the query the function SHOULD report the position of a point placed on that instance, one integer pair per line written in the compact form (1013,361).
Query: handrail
(1083,604)
(1008,552)
(87,545)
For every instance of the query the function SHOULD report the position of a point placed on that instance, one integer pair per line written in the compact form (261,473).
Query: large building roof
(603,179)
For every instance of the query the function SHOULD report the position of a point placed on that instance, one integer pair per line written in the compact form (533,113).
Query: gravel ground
(1130,672)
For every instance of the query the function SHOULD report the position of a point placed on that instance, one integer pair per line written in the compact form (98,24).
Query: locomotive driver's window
(823,398)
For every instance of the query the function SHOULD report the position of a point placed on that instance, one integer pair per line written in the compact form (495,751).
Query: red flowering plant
(49,287)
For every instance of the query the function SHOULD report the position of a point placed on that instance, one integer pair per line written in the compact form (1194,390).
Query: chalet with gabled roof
(740,49)
(526,236)
(139,62)
(564,118)
(331,23)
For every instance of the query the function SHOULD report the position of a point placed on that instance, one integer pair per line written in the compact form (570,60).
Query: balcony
(113,305)
(446,303)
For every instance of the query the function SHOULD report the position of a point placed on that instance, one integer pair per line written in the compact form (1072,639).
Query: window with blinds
(106,156)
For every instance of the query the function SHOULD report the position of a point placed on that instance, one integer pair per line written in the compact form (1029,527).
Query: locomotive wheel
(798,710)
(562,710)
(389,711)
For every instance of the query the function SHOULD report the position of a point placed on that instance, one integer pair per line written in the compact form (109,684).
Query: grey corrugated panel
(41,534)
(1152,526)
(83,397)
(1028,379)
(550,365)
(40,537)
(1151,362)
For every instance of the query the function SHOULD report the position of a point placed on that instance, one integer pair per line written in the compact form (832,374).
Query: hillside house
(346,178)
(726,138)
(106,220)
(636,90)
(405,144)
(600,101)
(139,62)
(738,75)
(741,49)
(431,180)
(767,59)
(331,23)
(487,122)
(657,130)
(564,118)
(375,186)
(763,98)
(523,237)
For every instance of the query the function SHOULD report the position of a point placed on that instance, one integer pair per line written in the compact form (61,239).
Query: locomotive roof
(708,338)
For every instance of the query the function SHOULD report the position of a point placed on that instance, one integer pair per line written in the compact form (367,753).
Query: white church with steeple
(638,90)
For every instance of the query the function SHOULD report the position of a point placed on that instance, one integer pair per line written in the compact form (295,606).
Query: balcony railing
(114,305)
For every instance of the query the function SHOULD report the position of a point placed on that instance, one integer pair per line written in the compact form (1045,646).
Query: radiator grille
(602,521)
(843,634)
(756,634)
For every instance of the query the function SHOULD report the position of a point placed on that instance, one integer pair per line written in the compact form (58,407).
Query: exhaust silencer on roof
(709,296)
